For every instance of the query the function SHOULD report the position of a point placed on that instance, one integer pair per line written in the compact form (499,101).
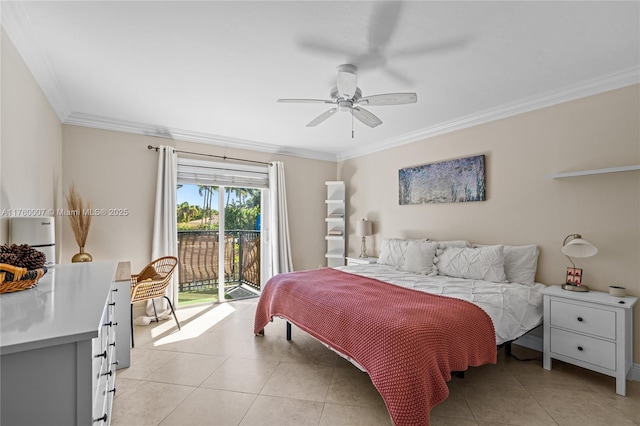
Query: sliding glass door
(218,243)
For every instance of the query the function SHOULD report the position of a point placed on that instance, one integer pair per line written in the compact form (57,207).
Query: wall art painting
(453,181)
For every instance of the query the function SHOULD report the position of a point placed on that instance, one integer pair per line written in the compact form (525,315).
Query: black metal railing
(198,254)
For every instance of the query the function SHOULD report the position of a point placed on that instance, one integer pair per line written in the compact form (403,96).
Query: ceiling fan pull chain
(352,133)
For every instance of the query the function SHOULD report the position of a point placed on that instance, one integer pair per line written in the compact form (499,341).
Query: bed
(425,310)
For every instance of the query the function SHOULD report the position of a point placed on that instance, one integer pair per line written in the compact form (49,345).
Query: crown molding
(114,124)
(19,29)
(616,80)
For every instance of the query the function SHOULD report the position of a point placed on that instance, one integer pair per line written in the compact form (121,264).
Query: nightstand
(592,330)
(361,260)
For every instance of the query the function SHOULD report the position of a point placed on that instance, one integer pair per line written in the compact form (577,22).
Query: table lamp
(364,229)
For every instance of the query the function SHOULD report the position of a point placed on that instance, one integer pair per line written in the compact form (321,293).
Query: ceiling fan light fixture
(347,81)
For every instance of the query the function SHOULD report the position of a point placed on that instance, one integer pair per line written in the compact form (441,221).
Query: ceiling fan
(346,96)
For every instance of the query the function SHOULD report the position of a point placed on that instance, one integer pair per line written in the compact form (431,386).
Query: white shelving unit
(335,235)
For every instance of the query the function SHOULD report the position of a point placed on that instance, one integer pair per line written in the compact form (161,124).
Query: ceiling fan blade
(319,119)
(326,47)
(306,101)
(389,99)
(366,117)
(383,23)
(452,43)
(347,81)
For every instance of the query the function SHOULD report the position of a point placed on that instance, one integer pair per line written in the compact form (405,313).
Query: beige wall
(31,142)
(116,170)
(523,206)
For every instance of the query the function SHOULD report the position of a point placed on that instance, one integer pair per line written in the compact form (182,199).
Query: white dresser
(592,330)
(57,348)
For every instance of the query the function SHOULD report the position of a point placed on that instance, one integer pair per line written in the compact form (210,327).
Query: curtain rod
(224,157)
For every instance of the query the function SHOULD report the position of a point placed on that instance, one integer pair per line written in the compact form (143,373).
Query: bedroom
(523,206)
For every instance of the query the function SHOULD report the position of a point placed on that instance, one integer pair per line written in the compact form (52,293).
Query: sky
(189,193)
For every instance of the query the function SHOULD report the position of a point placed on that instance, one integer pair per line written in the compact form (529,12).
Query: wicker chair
(151,283)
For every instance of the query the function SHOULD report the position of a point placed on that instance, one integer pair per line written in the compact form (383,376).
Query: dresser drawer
(584,319)
(587,349)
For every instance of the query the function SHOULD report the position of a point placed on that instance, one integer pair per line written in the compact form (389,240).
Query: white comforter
(514,308)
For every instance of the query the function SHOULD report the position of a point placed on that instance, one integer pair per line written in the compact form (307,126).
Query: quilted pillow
(419,256)
(481,263)
(392,252)
(455,243)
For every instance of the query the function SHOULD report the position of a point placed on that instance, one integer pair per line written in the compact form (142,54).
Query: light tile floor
(216,372)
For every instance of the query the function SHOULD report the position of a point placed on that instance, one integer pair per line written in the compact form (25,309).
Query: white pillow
(392,252)
(455,243)
(419,256)
(521,263)
(482,263)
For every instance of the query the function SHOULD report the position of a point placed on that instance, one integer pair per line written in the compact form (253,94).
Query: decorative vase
(81,257)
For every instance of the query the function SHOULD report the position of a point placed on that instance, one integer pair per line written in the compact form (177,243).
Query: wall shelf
(593,172)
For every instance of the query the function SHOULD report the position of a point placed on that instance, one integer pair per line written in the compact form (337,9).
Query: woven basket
(14,278)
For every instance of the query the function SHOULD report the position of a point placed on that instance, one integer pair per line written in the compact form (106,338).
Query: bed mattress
(514,308)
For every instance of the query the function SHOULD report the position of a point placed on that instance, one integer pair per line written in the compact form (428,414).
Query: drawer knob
(112,304)
(103,354)
(112,344)
(580,319)
(110,324)
(113,390)
(101,419)
(580,348)
(109,373)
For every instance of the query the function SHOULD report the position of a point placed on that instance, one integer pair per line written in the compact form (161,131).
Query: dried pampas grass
(79,215)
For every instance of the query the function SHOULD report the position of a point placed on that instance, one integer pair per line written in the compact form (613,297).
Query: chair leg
(133,345)
(153,303)
(173,311)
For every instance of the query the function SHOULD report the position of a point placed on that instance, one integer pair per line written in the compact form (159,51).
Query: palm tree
(207,192)
(185,211)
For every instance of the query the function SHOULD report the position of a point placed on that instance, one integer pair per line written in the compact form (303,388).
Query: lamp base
(363,248)
(571,287)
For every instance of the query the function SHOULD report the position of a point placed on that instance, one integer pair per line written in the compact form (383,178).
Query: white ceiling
(211,71)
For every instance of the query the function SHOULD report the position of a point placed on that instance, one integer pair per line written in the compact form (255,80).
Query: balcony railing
(198,254)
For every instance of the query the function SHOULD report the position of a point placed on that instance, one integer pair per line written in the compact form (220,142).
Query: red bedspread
(408,341)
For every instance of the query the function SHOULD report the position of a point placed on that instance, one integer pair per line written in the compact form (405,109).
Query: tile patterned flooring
(215,372)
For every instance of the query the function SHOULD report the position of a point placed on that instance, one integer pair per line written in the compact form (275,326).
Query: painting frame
(451,181)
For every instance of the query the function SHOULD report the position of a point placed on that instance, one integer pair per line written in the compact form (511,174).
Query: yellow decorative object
(80,220)
(82,256)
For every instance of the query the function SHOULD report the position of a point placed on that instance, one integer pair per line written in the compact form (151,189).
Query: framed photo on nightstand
(574,276)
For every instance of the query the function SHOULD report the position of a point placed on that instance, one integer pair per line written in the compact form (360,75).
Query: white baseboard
(530,341)
(536,343)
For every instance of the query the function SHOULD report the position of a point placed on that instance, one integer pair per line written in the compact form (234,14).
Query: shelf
(334,256)
(594,172)
(335,219)
(334,237)
(334,201)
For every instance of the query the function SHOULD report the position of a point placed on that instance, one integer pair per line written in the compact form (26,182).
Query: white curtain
(165,232)
(280,246)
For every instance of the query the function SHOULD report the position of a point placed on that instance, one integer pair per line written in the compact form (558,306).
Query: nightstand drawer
(587,349)
(597,322)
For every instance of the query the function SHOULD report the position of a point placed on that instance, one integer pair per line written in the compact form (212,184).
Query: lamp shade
(364,228)
(579,247)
